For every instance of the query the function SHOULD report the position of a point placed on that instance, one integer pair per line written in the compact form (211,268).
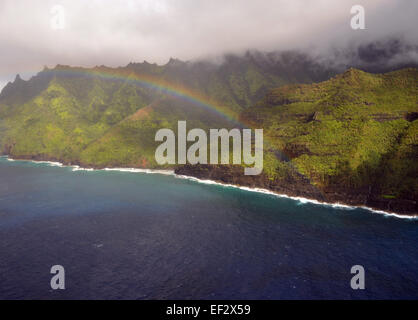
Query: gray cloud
(116,32)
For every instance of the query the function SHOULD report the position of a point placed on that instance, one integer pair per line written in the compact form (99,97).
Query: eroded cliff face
(297,185)
(294,184)
(354,137)
(351,139)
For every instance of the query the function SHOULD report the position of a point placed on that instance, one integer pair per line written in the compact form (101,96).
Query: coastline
(173,173)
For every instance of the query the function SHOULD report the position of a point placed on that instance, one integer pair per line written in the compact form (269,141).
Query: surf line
(226,185)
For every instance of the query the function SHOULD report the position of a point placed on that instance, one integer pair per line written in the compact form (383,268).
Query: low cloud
(116,32)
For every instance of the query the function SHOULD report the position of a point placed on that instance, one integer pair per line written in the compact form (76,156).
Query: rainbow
(154,83)
(158,84)
(161,85)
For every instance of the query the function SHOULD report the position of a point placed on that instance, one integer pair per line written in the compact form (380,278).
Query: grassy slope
(76,117)
(353,131)
(350,131)
(59,124)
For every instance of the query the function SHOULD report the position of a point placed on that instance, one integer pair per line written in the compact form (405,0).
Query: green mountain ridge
(71,113)
(352,138)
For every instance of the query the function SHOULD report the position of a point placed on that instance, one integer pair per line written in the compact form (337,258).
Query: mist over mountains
(293,66)
(339,106)
(350,135)
(378,56)
(114,32)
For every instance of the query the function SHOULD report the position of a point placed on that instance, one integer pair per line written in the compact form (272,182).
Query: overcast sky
(116,32)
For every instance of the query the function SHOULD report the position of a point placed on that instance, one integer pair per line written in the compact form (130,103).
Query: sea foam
(301,200)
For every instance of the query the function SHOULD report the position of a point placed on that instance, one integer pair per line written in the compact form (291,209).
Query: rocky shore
(297,185)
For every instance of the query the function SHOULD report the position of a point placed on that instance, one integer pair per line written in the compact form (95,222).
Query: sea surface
(133,235)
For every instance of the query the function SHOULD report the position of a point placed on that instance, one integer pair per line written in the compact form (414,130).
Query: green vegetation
(77,115)
(356,130)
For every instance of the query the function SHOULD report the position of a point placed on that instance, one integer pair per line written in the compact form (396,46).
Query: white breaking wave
(301,200)
(50,163)
(132,170)
(78,168)
(137,170)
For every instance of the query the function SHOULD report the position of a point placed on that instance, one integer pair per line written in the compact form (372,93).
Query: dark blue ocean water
(126,235)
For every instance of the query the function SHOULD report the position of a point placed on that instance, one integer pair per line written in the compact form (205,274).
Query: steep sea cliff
(232,176)
(299,186)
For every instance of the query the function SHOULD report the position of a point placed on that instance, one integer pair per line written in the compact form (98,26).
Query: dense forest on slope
(352,138)
(108,116)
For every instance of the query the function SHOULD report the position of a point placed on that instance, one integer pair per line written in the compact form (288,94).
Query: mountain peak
(352,71)
(18,78)
(174,62)
(353,76)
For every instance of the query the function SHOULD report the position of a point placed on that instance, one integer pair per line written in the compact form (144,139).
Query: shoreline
(213,182)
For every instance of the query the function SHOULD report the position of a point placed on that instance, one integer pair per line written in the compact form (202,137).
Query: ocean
(130,234)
